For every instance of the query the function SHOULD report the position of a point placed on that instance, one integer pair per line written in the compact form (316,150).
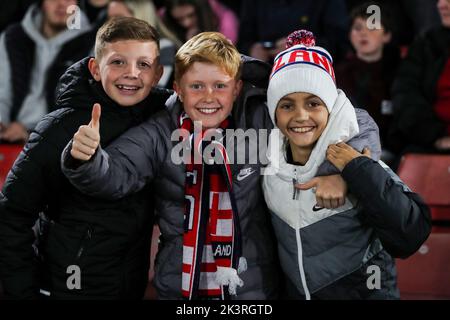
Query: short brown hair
(209,47)
(124,28)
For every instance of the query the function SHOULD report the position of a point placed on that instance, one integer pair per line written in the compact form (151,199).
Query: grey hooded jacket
(143,155)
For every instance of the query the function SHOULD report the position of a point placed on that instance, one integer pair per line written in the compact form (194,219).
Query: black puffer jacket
(108,240)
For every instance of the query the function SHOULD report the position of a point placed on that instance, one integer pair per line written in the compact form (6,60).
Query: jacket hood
(342,126)
(249,108)
(75,88)
(255,71)
(279,174)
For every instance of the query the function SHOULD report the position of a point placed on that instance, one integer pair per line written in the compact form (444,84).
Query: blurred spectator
(33,55)
(227,19)
(158,4)
(13,11)
(367,76)
(266,23)
(233,5)
(421,92)
(412,17)
(169,43)
(95,10)
(186,18)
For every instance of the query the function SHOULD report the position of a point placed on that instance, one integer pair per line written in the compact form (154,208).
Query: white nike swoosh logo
(241,176)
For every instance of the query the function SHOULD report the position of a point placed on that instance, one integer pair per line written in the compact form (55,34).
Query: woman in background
(186,18)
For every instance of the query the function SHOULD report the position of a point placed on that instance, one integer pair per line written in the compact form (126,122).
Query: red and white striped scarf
(211,241)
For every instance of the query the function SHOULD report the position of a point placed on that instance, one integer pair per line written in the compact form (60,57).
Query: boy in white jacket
(329,253)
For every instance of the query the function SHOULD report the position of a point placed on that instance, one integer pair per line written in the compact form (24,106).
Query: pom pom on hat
(302,67)
(301,37)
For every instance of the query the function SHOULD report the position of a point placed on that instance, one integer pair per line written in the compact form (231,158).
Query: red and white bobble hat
(302,67)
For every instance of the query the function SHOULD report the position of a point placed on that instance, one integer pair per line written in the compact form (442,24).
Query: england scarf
(212,240)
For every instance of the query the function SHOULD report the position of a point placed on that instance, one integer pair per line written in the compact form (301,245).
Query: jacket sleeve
(368,137)
(24,195)
(400,217)
(124,167)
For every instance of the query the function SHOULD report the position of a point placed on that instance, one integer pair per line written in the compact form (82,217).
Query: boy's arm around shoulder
(123,168)
(400,217)
(368,137)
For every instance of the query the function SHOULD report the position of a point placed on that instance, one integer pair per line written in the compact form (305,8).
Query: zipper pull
(294,182)
(87,237)
(294,193)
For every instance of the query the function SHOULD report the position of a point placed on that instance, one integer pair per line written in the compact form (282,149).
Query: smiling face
(127,69)
(368,43)
(207,93)
(301,117)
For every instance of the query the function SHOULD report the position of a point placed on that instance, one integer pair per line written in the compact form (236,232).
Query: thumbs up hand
(95,120)
(87,139)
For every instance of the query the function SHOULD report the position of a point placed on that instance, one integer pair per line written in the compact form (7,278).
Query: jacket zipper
(87,236)
(295,196)
(300,264)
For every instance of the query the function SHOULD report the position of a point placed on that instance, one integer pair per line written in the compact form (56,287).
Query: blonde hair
(209,47)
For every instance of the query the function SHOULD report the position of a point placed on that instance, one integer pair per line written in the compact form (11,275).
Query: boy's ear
(176,87)
(238,88)
(94,69)
(387,37)
(159,74)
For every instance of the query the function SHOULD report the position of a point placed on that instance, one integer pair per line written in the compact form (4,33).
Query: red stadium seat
(426,274)
(429,176)
(8,154)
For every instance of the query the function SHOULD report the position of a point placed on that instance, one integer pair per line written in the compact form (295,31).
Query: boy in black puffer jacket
(93,249)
